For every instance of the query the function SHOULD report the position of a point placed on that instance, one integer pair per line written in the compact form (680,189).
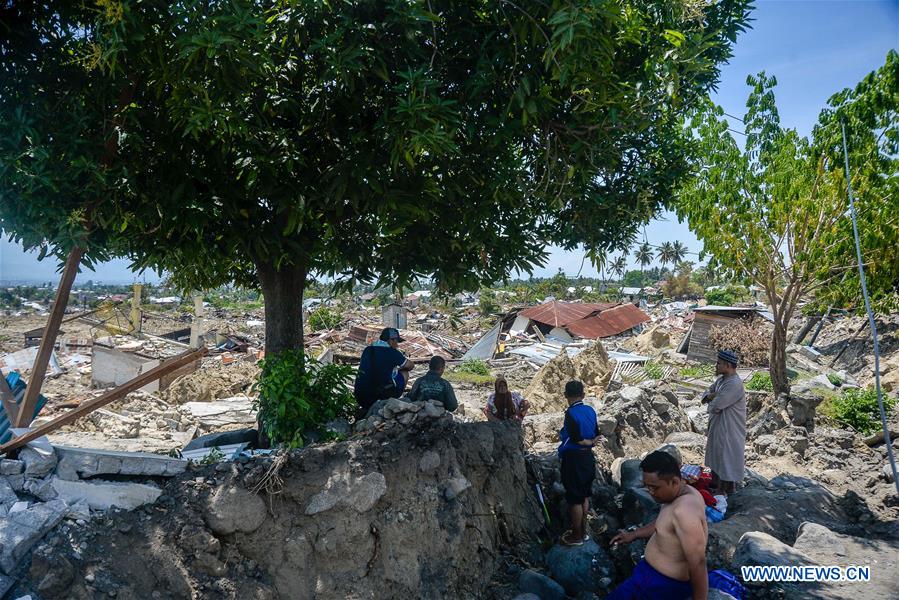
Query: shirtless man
(674,565)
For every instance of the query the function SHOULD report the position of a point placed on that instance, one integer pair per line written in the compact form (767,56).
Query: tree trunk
(283,295)
(777,362)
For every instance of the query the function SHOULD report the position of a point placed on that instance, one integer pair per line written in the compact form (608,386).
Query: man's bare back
(664,552)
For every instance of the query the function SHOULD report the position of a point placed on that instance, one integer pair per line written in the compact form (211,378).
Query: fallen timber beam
(101,401)
(48,340)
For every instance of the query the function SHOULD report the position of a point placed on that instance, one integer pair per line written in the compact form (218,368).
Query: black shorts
(578,473)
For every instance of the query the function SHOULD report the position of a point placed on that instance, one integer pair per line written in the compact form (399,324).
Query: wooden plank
(110,396)
(9,401)
(48,341)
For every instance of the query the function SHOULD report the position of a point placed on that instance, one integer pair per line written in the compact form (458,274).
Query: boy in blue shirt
(578,463)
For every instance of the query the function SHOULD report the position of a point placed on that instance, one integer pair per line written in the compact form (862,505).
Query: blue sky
(813,47)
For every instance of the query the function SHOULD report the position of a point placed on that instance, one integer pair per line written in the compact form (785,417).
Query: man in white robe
(725,449)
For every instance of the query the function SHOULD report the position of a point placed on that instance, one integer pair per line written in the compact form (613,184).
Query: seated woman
(503,404)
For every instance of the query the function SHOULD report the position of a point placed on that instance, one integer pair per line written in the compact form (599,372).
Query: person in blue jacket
(578,465)
(383,371)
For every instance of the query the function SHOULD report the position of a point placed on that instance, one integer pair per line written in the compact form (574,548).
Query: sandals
(566,540)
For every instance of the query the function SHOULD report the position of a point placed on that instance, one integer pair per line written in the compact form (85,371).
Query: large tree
(261,142)
(773,210)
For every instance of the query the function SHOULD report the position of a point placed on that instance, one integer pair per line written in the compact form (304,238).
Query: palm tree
(678,252)
(619,266)
(644,255)
(666,254)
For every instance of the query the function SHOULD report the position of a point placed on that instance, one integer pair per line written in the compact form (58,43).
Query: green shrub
(654,370)
(760,382)
(299,395)
(474,366)
(698,371)
(834,379)
(324,318)
(857,408)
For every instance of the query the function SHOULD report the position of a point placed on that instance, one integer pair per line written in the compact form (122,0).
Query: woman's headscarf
(502,400)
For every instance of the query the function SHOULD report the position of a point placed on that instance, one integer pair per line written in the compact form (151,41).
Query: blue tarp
(18,391)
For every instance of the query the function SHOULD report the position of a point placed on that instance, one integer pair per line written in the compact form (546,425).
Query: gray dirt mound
(210,383)
(419,512)
(591,366)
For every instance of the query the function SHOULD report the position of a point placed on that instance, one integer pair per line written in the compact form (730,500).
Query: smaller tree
(644,255)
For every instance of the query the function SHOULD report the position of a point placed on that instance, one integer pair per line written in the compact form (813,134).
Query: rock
(6,584)
(801,410)
(887,471)
(626,473)
(543,427)
(672,450)
(661,406)
(631,394)
(591,366)
(16,482)
(103,495)
(233,508)
(430,460)
(39,461)
(80,510)
(699,419)
(41,489)
(814,539)
(810,353)
(7,494)
(540,585)
(54,577)
(687,440)
(19,531)
(361,494)
(607,425)
(638,507)
(11,467)
(455,486)
(767,445)
(797,439)
(432,410)
(761,549)
(670,397)
(580,568)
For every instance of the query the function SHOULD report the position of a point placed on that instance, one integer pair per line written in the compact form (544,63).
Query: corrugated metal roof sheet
(560,314)
(609,322)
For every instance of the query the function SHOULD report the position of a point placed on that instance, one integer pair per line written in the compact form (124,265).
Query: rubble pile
(398,412)
(215,380)
(591,366)
(417,512)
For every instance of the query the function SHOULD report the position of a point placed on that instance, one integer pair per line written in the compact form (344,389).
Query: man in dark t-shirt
(432,386)
(383,371)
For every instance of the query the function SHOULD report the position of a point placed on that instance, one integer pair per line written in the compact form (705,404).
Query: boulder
(638,507)
(585,568)
(631,394)
(687,440)
(360,493)
(672,450)
(815,539)
(7,494)
(626,473)
(42,489)
(532,582)
(11,467)
(19,531)
(543,427)
(887,472)
(760,549)
(233,508)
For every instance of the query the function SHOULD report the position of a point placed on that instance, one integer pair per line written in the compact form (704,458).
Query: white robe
(725,450)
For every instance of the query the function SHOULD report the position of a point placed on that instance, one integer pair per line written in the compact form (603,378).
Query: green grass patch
(466,377)
(474,366)
(654,370)
(856,408)
(698,371)
(760,382)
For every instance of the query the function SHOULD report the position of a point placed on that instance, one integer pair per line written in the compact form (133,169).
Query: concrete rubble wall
(419,512)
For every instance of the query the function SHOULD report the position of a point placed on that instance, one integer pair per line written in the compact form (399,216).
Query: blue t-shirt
(376,371)
(580,424)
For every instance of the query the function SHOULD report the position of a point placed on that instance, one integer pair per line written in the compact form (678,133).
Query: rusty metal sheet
(560,314)
(608,322)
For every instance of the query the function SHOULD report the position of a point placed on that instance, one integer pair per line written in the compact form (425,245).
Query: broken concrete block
(16,482)
(361,494)
(19,531)
(18,507)
(810,353)
(42,489)
(81,510)
(7,494)
(103,495)
(75,463)
(11,467)
(38,460)
(233,509)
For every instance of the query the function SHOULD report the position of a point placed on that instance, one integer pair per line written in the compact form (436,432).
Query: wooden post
(110,396)
(26,410)
(135,309)
(196,324)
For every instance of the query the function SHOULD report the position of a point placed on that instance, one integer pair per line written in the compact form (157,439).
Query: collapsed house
(557,323)
(696,344)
